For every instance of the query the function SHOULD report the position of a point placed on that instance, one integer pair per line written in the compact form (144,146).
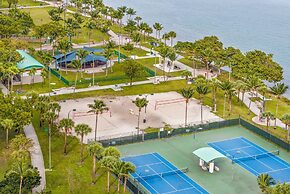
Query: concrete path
(255,108)
(36,156)
(4,90)
(27,7)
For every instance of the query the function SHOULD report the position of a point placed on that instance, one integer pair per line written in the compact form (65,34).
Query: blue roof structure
(28,62)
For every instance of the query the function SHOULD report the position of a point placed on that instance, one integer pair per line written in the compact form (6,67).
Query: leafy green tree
(98,107)
(82,130)
(269,116)
(66,125)
(278,90)
(281,188)
(132,70)
(140,103)
(126,169)
(7,124)
(186,74)
(187,93)
(108,163)
(264,181)
(95,149)
(111,151)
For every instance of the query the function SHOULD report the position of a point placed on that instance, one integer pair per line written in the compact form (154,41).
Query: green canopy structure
(28,62)
(208,154)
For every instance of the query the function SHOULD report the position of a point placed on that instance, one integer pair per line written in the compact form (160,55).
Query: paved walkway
(36,156)
(4,90)
(256,110)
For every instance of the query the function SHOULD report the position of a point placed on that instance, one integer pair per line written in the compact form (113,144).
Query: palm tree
(7,124)
(76,64)
(95,149)
(164,52)
(286,120)
(140,103)
(98,108)
(172,35)
(264,181)
(50,117)
(111,151)
(202,90)
(64,45)
(228,88)
(278,90)
(186,74)
(263,90)
(66,124)
(130,12)
(81,55)
(269,116)
(158,27)
(187,93)
(82,130)
(214,83)
(138,19)
(127,167)
(172,57)
(108,53)
(165,37)
(136,38)
(32,73)
(108,163)
(90,25)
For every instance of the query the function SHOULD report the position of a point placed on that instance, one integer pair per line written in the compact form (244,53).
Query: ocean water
(245,24)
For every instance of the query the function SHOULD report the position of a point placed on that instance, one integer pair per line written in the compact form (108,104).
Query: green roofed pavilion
(28,62)
(208,154)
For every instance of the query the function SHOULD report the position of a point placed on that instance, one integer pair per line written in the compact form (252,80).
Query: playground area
(233,177)
(121,119)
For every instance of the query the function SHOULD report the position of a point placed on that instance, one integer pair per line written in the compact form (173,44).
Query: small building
(25,66)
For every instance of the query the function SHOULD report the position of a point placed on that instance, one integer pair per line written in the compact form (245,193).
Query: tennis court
(254,158)
(157,175)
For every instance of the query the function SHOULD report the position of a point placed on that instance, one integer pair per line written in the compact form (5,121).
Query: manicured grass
(39,15)
(283,107)
(136,51)
(22,3)
(68,175)
(188,62)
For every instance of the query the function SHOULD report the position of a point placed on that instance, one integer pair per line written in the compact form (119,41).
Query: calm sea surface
(246,24)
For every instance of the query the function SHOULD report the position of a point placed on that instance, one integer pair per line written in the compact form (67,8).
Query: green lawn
(136,51)
(4,4)
(188,62)
(283,107)
(68,175)
(39,15)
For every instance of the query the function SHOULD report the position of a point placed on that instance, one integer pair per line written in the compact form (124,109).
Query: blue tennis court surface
(158,175)
(254,158)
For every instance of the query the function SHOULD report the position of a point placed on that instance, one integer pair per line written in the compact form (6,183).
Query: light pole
(70,112)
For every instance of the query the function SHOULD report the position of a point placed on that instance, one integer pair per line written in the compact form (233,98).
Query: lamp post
(70,112)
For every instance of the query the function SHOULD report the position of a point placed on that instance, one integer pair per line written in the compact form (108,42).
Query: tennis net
(160,175)
(255,157)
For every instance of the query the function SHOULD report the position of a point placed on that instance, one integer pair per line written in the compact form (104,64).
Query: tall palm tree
(50,117)
(140,103)
(76,64)
(82,130)
(158,27)
(108,163)
(202,90)
(130,12)
(263,90)
(172,57)
(138,19)
(95,149)
(172,35)
(165,37)
(269,116)
(98,107)
(7,124)
(186,74)
(228,88)
(214,83)
(111,151)
(108,53)
(64,45)
(90,25)
(81,55)
(66,125)
(264,181)
(187,93)
(127,167)
(164,53)
(278,90)
(136,38)
(286,120)
(32,73)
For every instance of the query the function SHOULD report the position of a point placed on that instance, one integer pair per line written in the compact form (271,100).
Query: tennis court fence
(133,137)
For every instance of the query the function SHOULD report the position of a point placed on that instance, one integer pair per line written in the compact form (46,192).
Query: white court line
(177,174)
(226,139)
(258,147)
(239,148)
(181,190)
(150,164)
(146,182)
(282,169)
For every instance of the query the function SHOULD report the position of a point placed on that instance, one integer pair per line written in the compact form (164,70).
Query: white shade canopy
(208,154)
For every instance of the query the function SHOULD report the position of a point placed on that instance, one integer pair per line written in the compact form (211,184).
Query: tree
(214,83)
(64,45)
(95,149)
(186,74)
(32,73)
(126,169)
(140,103)
(253,83)
(279,189)
(111,151)
(165,37)
(108,163)
(187,93)
(172,57)
(278,90)
(132,69)
(264,181)
(90,25)
(81,55)
(130,12)
(108,53)
(172,35)
(66,125)
(98,107)
(202,90)
(76,64)
(158,27)
(138,19)
(7,124)
(164,53)
(82,130)
(286,120)
(228,89)
(269,116)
